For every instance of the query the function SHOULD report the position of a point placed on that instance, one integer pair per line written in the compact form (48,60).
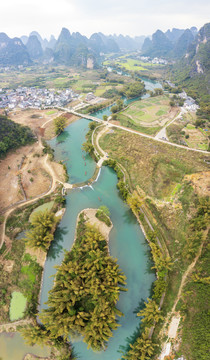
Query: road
(162,133)
(134,131)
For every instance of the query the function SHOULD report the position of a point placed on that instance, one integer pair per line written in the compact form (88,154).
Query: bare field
(10,190)
(36,119)
(200,183)
(25,168)
(32,175)
(33,118)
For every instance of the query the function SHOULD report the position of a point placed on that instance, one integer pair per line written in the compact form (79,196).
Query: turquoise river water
(127,244)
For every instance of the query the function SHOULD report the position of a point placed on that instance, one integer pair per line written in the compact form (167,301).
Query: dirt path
(162,133)
(103,130)
(173,326)
(134,131)
(184,277)
(52,188)
(10,327)
(49,170)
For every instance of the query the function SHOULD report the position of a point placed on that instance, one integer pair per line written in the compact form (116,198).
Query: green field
(51,112)
(46,206)
(101,89)
(146,115)
(129,64)
(17,305)
(148,111)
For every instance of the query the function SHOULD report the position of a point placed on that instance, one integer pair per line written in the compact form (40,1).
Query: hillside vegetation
(13,135)
(193,71)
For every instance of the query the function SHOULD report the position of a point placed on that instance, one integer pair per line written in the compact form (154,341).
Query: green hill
(13,135)
(192,72)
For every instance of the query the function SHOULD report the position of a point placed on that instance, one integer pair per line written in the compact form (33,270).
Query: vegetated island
(87,287)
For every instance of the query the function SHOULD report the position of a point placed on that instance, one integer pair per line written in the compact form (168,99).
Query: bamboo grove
(40,235)
(87,286)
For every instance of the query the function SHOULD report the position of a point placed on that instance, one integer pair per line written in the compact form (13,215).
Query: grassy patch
(43,207)
(129,64)
(190,127)
(161,112)
(51,112)
(127,122)
(17,305)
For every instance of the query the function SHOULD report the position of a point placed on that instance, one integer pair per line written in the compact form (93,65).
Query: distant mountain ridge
(76,49)
(171,44)
(13,51)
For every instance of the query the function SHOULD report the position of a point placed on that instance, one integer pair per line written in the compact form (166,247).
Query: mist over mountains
(75,49)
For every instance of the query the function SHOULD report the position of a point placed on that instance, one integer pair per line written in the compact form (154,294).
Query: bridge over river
(93,118)
(86,116)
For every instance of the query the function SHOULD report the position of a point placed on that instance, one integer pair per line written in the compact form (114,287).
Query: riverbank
(90,216)
(121,248)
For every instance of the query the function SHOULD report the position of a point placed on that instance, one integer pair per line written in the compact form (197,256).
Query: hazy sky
(132,17)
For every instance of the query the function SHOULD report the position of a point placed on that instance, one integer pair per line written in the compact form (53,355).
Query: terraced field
(148,115)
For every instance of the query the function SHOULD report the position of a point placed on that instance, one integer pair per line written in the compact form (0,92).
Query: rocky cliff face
(198,52)
(34,48)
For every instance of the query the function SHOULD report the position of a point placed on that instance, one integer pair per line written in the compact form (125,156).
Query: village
(35,98)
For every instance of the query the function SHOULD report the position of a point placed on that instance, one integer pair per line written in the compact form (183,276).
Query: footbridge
(86,116)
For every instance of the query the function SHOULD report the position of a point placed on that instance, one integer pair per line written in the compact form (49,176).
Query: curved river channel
(127,242)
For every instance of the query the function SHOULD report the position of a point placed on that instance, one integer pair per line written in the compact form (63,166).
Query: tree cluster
(13,135)
(119,106)
(121,185)
(40,235)
(60,124)
(134,89)
(87,287)
(103,215)
(37,334)
(47,149)
(156,92)
(143,347)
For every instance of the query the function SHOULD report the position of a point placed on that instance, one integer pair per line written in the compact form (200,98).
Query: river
(127,242)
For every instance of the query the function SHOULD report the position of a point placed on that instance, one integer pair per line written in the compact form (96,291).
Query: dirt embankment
(93,220)
(200,182)
(101,226)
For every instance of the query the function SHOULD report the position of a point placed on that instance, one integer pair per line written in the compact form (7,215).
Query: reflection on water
(57,245)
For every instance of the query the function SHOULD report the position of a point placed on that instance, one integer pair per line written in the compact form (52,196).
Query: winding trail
(184,278)
(166,346)
(16,206)
(50,170)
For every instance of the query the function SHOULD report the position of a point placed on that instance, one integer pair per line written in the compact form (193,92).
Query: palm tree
(151,313)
